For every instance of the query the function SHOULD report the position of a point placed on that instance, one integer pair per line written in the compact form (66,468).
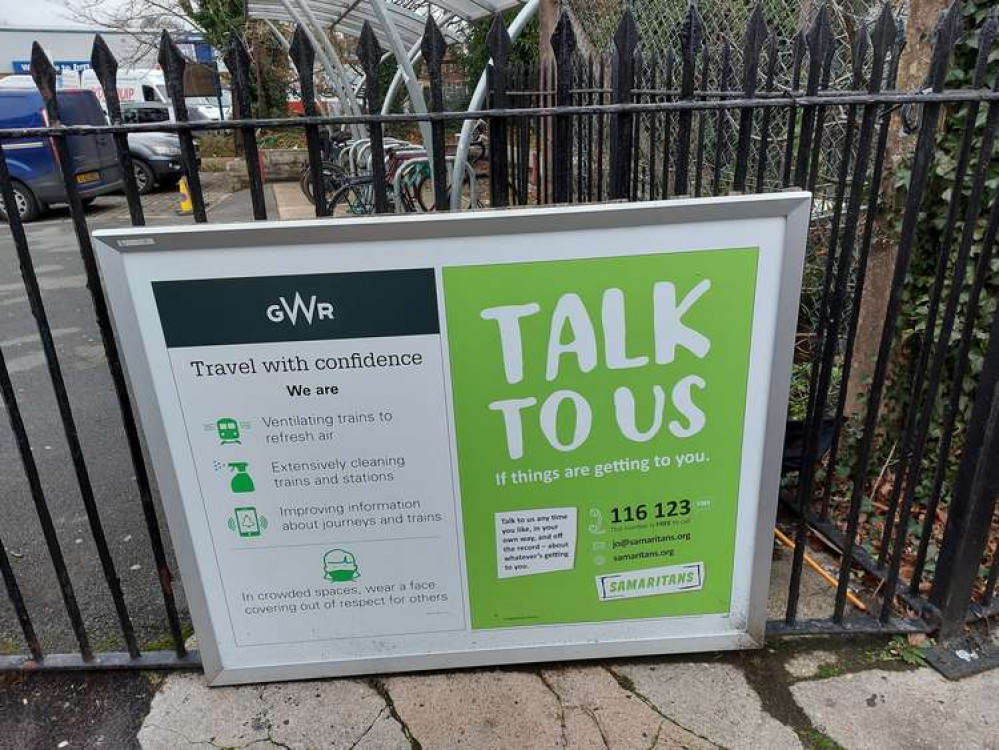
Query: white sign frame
(778,223)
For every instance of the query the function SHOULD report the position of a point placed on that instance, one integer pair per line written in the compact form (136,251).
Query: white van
(134,85)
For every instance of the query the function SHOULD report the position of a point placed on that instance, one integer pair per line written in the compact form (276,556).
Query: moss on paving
(165,642)
(813,739)
(766,672)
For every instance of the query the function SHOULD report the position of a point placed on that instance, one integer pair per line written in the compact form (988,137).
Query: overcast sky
(40,13)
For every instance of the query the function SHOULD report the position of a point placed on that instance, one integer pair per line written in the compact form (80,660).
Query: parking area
(159,206)
(57,262)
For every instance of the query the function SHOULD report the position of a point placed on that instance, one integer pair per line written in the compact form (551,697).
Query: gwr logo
(283,311)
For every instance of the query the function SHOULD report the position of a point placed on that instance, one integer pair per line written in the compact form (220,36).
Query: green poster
(599,409)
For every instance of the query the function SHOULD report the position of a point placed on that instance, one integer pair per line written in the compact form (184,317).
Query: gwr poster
(432,442)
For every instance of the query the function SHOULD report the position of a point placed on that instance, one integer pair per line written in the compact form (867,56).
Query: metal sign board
(61,66)
(423,442)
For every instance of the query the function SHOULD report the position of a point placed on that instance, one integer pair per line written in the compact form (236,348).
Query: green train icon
(228,431)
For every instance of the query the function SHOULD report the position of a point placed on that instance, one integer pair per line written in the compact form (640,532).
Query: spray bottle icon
(241,481)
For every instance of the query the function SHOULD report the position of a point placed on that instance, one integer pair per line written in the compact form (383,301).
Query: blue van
(34,163)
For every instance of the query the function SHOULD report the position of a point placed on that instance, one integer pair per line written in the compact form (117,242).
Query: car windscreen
(145,114)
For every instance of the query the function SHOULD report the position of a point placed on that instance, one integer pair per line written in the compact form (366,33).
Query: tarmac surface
(68,305)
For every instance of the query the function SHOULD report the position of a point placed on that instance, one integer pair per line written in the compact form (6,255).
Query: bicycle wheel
(424,193)
(333,179)
(355,199)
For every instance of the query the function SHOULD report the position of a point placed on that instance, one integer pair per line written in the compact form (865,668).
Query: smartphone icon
(247,522)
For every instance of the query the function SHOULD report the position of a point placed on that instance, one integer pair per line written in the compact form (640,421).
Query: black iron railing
(620,127)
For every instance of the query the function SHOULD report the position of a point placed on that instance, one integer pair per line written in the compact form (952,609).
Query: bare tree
(142,20)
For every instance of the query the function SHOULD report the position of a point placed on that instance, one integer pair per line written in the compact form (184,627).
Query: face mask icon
(340,565)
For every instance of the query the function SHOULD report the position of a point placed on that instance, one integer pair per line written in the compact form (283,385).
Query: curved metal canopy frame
(399,28)
(478,97)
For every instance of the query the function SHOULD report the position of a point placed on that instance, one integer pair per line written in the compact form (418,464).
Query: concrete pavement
(820,693)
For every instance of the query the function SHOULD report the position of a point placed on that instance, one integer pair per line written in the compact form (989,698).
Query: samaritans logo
(651,581)
(285,311)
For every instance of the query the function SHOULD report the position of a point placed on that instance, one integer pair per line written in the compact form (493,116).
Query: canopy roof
(348,16)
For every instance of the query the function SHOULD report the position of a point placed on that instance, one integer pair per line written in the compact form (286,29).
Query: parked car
(155,156)
(33,162)
(155,160)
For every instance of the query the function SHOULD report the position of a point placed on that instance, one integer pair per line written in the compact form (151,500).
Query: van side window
(148,93)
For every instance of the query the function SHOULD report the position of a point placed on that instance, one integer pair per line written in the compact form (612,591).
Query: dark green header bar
(253,310)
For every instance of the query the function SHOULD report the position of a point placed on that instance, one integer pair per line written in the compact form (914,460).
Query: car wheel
(145,180)
(27,206)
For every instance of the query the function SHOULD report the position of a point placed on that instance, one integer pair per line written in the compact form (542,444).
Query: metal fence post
(702,117)
(237,60)
(798,53)
(622,123)
(721,120)
(756,33)
(563,43)
(369,52)
(303,56)
(106,68)
(499,51)
(173,64)
(969,518)
(691,37)
(818,38)
(434,48)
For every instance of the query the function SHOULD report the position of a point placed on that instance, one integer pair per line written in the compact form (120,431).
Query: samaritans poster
(599,407)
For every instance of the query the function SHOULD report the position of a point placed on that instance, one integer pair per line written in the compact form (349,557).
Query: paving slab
(599,713)
(914,710)
(291,201)
(806,664)
(816,597)
(299,715)
(714,701)
(486,710)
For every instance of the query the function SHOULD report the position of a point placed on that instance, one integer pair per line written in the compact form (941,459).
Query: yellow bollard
(186,207)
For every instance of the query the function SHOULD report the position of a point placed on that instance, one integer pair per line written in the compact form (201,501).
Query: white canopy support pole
(327,51)
(286,46)
(320,51)
(412,84)
(414,54)
(278,35)
(478,97)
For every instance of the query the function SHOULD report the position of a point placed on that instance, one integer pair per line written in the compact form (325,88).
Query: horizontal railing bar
(115,660)
(869,565)
(978,612)
(851,626)
(192,659)
(592,109)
